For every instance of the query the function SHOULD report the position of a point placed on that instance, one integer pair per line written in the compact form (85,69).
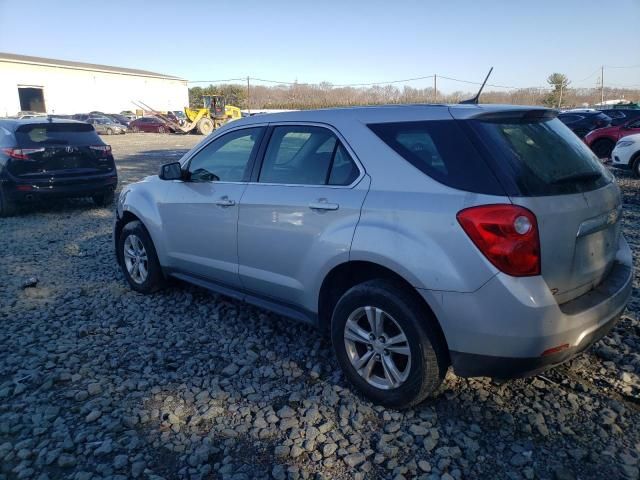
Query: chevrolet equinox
(486,238)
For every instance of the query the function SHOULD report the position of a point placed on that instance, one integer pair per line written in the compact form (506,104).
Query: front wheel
(387,345)
(635,165)
(109,131)
(135,129)
(161,130)
(138,259)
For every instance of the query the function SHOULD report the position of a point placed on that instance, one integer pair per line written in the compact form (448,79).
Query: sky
(341,42)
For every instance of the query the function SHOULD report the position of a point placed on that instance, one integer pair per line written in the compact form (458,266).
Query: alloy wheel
(135,259)
(377,347)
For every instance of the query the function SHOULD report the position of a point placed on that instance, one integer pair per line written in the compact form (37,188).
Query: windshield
(540,157)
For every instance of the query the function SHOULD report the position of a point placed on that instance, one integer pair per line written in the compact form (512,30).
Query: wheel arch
(127,217)
(348,274)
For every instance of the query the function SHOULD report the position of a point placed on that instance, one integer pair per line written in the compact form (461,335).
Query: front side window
(227,158)
(307,155)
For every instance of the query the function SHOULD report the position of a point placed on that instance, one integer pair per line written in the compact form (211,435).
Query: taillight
(507,235)
(103,150)
(21,153)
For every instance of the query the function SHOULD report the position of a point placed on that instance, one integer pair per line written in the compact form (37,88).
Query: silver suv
(482,237)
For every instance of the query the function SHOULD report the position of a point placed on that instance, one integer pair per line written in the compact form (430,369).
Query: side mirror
(171,171)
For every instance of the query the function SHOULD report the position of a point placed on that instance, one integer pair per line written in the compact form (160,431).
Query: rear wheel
(7,207)
(205,126)
(161,130)
(602,148)
(138,259)
(103,199)
(135,129)
(109,131)
(387,345)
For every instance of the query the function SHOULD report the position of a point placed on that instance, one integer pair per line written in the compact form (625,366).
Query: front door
(200,214)
(300,215)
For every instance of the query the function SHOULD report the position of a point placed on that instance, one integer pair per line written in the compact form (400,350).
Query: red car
(602,140)
(149,124)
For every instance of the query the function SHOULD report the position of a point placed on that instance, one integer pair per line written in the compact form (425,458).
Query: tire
(635,165)
(103,199)
(109,131)
(138,235)
(7,207)
(135,129)
(205,126)
(161,130)
(421,372)
(602,148)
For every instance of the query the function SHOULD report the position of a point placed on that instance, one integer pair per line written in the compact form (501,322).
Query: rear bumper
(474,365)
(505,328)
(25,191)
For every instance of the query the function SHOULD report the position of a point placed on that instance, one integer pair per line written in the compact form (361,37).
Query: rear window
(539,157)
(57,134)
(441,150)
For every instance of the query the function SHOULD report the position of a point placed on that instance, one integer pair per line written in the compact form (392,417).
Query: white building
(63,87)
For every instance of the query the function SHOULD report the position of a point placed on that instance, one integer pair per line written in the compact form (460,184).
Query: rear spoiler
(517,115)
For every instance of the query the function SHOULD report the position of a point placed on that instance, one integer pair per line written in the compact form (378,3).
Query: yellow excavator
(213,115)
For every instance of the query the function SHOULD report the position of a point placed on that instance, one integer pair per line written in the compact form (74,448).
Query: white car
(626,154)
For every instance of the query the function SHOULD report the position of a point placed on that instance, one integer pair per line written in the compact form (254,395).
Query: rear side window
(537,157)
(35,134)
(441,150)
(307,155)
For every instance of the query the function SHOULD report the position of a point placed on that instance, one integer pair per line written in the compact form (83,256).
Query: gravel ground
(97,381)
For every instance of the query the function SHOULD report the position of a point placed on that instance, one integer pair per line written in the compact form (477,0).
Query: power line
(425,77)
(488,84)
(217,81)
(344,84)
(587,77)
(624,66)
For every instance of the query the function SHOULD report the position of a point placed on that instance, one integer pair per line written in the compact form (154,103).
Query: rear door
(57,149)
(548,170)
(300,213)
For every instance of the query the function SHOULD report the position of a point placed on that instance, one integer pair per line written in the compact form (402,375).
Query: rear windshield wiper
(578,177)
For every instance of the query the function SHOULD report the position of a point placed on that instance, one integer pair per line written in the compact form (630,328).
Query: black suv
(582,122)
(621,115)
(46,157)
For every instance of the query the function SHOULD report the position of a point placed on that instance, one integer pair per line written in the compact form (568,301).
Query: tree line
(305,96)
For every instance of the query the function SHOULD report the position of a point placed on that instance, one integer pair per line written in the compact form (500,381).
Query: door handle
(323,205)
(225,202)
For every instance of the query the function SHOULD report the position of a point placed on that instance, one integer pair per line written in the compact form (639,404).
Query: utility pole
(560,99)
(248,97)
(435,88)
(602,85)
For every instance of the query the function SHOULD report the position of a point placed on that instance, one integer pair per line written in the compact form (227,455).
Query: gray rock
(354,459)
(93,416)
(94,389)
(66,460)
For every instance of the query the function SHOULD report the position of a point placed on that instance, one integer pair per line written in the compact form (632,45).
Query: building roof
(50,62)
